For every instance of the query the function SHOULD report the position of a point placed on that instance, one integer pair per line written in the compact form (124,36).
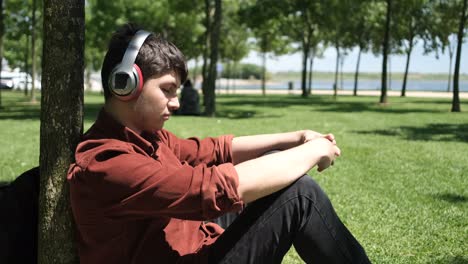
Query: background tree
(209,97)
(362,23)
(234,43)
(456,75)
(411,20)
(61,125)
(442,30)
(266,29)
(385,51)
(19,28)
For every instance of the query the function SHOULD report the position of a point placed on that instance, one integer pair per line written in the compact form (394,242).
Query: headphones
(126,79)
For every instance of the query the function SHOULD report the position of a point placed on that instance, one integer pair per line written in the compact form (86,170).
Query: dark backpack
(18,218)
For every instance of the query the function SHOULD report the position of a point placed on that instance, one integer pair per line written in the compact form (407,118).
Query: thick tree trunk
(356,74)
(405,77)
(335,84)
(456,96)
(210,97)
(385,44)
(61,126)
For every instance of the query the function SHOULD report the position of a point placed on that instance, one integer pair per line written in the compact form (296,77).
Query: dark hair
(156,57)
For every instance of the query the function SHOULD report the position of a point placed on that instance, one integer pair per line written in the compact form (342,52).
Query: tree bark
(356,74)
(385,44)
(456,75)
(408,57)
(210,97)
(61,126)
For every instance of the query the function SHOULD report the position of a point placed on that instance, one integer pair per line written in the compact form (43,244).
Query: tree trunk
(405,77)
(356,74)
(2,32)
(335,85)
(26,66)
(342,59)
(33,51)
(385,44)
(263,72)
(210,97)
(61,126)
(456,96)
(311,68)
(305,56)
(206,47)
(450,67)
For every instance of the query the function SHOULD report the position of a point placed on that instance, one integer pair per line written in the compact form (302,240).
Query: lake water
(366,84)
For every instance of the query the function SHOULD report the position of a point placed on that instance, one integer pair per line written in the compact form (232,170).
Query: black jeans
(300,215)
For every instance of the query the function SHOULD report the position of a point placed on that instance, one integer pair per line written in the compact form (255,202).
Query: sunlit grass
(401,185)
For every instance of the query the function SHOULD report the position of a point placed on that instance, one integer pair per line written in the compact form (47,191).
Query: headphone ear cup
(126,86)
(139,81)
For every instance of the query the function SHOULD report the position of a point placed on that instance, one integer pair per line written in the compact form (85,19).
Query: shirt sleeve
(210,150)
(128,184)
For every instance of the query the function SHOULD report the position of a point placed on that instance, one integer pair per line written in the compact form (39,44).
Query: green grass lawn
(401,184)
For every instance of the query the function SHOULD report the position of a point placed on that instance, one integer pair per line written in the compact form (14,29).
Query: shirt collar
(106,126)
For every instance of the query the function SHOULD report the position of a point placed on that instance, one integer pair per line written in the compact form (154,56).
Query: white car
(17,80)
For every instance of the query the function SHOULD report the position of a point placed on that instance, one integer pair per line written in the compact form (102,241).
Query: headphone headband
(126,79)
(132,50)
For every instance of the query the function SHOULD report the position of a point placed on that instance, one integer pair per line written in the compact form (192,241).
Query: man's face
(156,103)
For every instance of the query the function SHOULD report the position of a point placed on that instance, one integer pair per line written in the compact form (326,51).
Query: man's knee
(307,187)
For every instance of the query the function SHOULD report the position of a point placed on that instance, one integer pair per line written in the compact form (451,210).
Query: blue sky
(369,62)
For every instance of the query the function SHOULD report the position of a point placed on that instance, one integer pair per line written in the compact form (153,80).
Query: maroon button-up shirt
(144,198)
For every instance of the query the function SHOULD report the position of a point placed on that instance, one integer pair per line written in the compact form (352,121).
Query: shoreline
(423,94)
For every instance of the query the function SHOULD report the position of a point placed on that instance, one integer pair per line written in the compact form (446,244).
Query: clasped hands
(327,147)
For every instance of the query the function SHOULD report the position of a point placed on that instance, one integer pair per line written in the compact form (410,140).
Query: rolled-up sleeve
(210,150)
(134,185)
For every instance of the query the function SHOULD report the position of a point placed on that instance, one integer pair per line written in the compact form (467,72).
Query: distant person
(140,194)
(189,100)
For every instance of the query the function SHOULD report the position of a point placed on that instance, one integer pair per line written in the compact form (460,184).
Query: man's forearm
(267,174)
(249,147)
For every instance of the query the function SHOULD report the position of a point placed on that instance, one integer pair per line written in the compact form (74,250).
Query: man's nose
(173,103)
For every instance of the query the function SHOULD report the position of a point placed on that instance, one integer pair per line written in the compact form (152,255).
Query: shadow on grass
(33,112)
(242,114)
(451,197)
(356,107)
(451,260)
(274,101)
(431,132)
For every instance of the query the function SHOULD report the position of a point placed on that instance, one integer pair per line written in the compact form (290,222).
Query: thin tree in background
(456,75)
(385,48)
(33,51)
(206,48)
(209,96)
(61,125)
